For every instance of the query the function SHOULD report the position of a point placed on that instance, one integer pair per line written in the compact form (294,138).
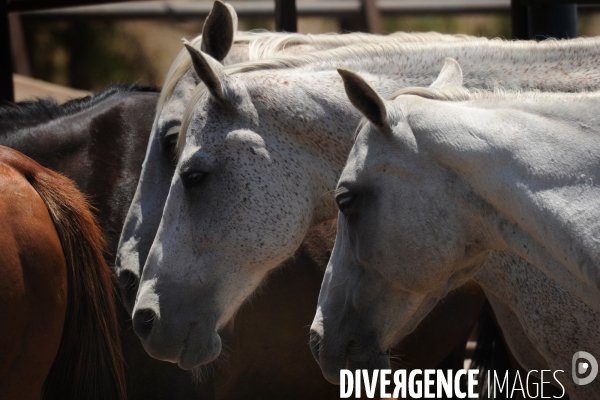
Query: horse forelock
(201,92)
(180,66)
(183,62)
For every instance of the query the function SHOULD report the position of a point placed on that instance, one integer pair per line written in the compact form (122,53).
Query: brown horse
(60,334)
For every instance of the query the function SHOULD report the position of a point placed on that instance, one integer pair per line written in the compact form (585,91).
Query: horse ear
(219,30)
(209,70)
(450,75)
(364,98)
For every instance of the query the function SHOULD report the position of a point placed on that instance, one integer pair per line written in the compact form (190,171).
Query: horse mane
(268,45)
(459,93)
(14,116)
(264,44)
(357,52)
(89,364)
(371,50)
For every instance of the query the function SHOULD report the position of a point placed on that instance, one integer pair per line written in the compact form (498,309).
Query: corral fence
(530,19)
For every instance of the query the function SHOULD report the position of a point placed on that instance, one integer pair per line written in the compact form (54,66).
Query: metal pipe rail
(266,9)
(28,5)
(530,18)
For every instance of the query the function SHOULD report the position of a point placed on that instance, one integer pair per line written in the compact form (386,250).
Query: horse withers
(60,337)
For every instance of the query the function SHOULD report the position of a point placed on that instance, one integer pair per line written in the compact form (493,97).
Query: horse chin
(370,361)
(193,356)
(376,360)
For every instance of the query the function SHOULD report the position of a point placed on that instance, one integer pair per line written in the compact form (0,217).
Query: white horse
(436,180)
(221,40)
(265,146)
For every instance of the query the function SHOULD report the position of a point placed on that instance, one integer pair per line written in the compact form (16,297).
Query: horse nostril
(129,282)
(143,322)
(315,345)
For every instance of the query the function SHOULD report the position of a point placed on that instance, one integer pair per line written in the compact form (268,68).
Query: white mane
(459,93)
(400,54)
(268,45)
(397,49)
(265,44)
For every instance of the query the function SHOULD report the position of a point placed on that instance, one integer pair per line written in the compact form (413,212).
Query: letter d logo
(580,368)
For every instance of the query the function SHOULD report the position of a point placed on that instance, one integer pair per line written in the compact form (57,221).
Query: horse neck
(52,143)
(396,65)
(61,143)
(535,163)
(101,149)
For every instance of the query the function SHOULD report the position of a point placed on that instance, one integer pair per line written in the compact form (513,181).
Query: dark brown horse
(60,334)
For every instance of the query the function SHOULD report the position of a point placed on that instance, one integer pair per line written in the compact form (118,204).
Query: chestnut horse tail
(89,364)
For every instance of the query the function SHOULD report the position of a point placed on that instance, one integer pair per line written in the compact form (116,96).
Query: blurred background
(92,54)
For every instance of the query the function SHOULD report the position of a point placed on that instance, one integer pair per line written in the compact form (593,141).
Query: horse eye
(169,144)
(345,202)
(192,179)
(169,139)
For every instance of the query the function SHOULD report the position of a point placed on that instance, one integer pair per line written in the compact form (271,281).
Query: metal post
(6,81)
(519,20)
(545,19)
(554,20)
(372,16)
(367,20)
(18,46)
(286,16)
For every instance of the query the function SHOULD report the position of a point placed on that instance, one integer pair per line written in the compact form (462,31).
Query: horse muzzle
(189,344)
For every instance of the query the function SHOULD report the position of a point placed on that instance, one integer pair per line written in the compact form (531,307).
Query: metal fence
(529,18)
